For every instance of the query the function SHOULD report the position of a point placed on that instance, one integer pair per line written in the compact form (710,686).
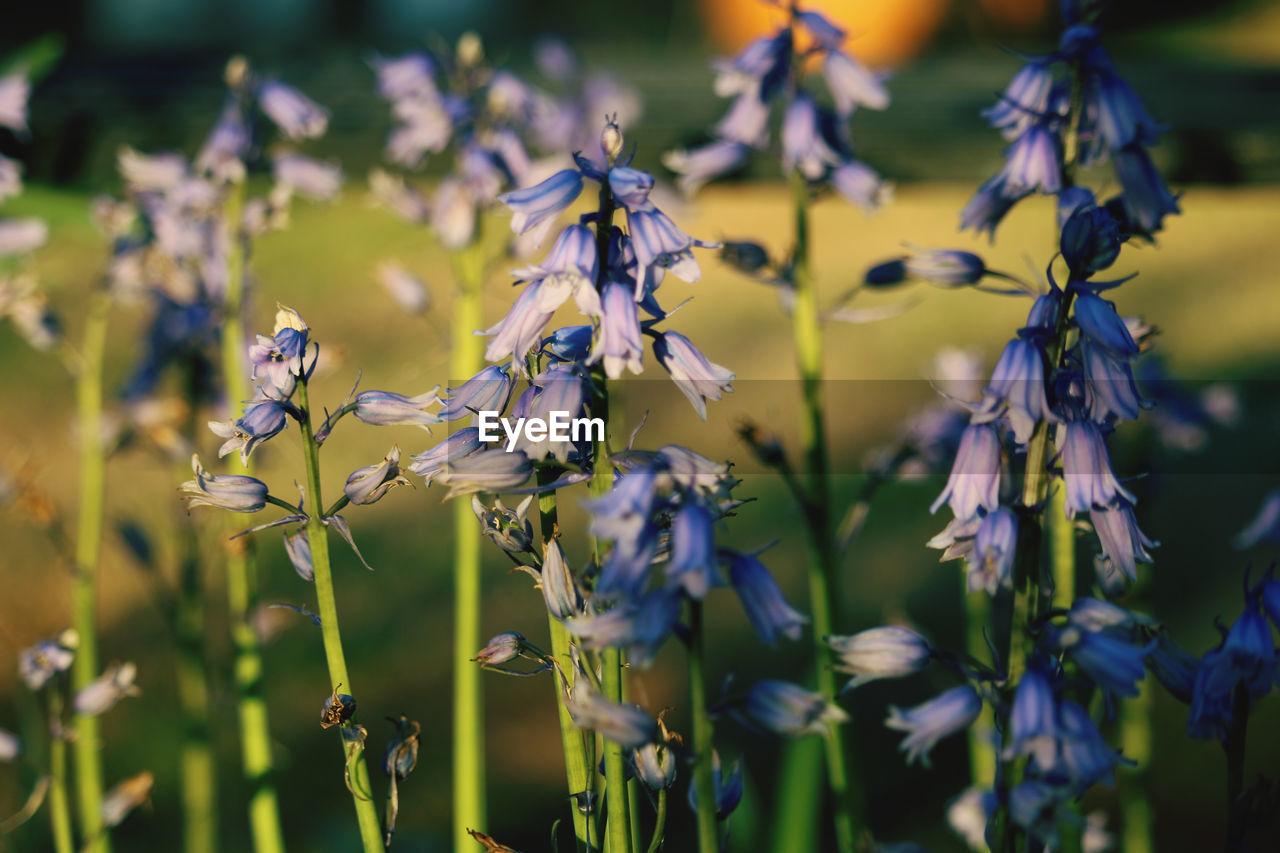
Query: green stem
(199,770)
(824,592)
(59,807)
(1062,548)
(1234,745)
(326,601)
(242,581)
(1135,744)
(703,779)
(468,696)
(982,754)
(84,597)
(576,764)
(660,823)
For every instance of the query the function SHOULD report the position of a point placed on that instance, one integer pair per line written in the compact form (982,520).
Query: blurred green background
(148,74)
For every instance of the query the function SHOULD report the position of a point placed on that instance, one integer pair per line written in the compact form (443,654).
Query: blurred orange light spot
(882,33)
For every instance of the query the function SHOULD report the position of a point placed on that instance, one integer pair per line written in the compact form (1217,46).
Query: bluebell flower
(385,408)
(947,713)
(852,85)
(430,463)
(277,361)
(1173,667)
(487,391)
(762,600)
(1244,665)
(619,343)
(1024,100)
(803,145)
(1033,721)
(696,166)
(693,566)
(1113,111)
(226,491)
(105,692)
(989,205)
(622,723)
(1095,614)
(557,390)
(1017,389)
(297,546)
(1072,199)
(788,709)
(746,122)
(827,35)
(38,664)
(889,651)
(1086,468)
(727,786)
(1043,315)
(697,377)
(995,545)
(1123,544)
(1265,527)
(760,63)
(1036,806)
(1087,758)
(484,471)
(509,529)
(568,343)
(520,330)
(969,813)
(1146,199)
(571,265)
(224,151)
(262,420)
(1112,662)
(656,240)
(1269,595)
(311,178)
(631,187)
(1034,162)
(1098,319)
(297,116)
(453,213)
(1090,240)
(559,589)
(409,76)
(640,624)
(860,185)
(946,267)
(1113,393)
(535,209)
(21,236)
(886,274)
(501,648)
(621,514)
(975,475)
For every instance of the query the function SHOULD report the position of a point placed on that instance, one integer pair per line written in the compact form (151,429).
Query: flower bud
(503,648)
(611,139)
(228,491)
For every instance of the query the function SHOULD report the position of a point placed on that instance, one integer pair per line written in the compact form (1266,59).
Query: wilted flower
(886,652)
(367,485)
(928,723)
(558,587)
(401,755)
(337,708)
(509,529)
(125,797)
(226,491)
(297,545)
(789,709)
(102,694)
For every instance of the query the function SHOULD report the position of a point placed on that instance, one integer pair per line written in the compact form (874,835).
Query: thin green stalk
(468,695)
(242,580)
(326,601)
(824,591)
(660,823)
(1135,744)
(1062,548)
(59,807)
(577,767)
(982,754)
(703,779)
(199,769)
(84,595)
